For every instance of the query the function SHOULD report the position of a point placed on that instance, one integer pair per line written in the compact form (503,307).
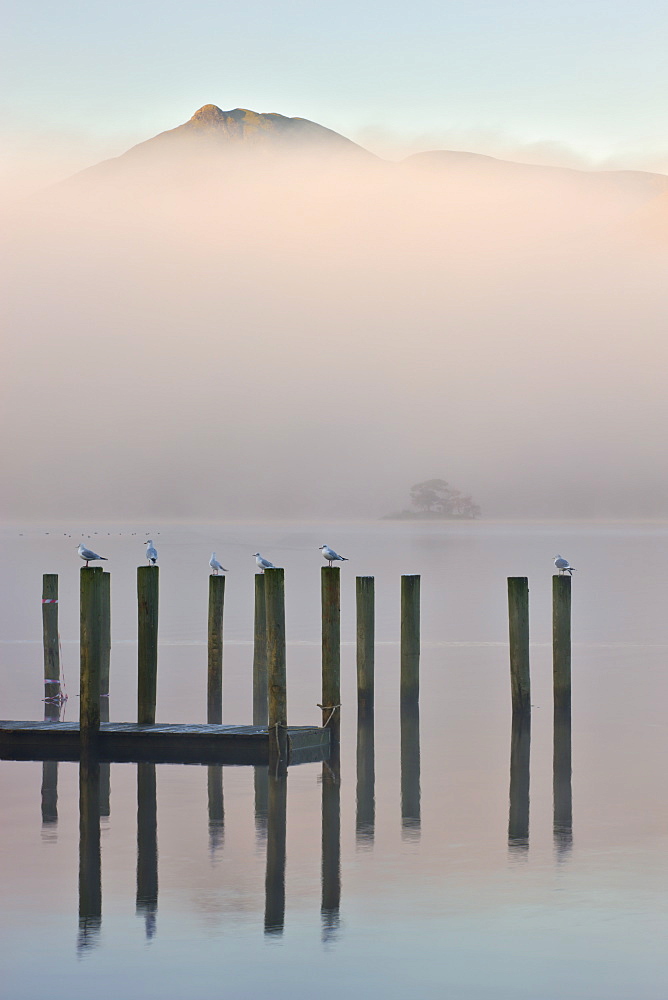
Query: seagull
(330,555)
(215,565)
(151,553)
(88,555)
(262,562)
(563,565)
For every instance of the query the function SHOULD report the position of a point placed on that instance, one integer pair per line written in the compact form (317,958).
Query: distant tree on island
(436,498)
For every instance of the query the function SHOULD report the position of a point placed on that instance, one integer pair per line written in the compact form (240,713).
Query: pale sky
(581,81)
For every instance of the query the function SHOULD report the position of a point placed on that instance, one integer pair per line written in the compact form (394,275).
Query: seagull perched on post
(151,552)
(563,565)
(215,565)
(88,555)
(330,555)
(262,562)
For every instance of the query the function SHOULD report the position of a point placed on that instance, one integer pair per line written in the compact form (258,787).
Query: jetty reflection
(331,845)
(274,908)
(216,808)
(90,876)
(147,847)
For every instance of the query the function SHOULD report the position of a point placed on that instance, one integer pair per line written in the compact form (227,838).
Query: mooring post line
(410,638)
(214,704)
(518,634)
(365,612)
(147,655)
(330,597)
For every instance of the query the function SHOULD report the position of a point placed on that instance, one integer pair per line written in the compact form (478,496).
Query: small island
(436,500)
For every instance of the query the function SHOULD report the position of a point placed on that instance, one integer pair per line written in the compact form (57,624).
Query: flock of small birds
(216,567)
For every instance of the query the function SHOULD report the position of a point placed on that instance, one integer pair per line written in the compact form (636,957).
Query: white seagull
(215,565)
(88,555)
(330,555)
(151,552)
(262,562)
(563,565)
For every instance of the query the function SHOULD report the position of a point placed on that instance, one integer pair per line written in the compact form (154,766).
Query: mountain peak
(208,113)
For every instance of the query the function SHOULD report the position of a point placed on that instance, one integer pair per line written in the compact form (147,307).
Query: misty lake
(406,881)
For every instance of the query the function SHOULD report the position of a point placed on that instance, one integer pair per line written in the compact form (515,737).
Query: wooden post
(561,642)
(106,635)
(410,638)
(274,584)
(520,754)
(260,655)
(561,783)
(147,847)
(365,642)
(90,879)
(147,666)
(214,687)
(274,907)
(50,635)
(90,654)
(518,628)
(330,595)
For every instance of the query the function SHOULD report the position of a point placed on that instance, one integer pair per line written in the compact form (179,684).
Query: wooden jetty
(160,743)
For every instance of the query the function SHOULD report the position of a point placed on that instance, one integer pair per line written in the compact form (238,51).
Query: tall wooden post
(50,635)
(214,687)
(274,584)
(90,654)
(147,666)
(365,599)
(106,634)
(561,641)
(518,627)
(260,655)
(330,594)
(410,638)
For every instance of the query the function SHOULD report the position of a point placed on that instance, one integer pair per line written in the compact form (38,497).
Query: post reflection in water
(561,784)
(216,808)
(90,879)
(147,847)
(261,786)
(105,769)
(274,907)
(410,770)
(331,844)
(520,757)
(366,779)
(50,776)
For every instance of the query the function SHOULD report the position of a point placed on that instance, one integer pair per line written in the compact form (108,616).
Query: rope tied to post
(331,709)
(276,727)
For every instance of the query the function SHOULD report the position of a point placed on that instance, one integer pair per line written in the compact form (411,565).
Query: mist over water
(309,335)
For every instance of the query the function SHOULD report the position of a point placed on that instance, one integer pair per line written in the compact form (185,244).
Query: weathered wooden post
(520,755)
(90,634)
(90,878)
(260,655)
(330,595)
(147,662)
(561,642)
(50,635)
(147,847)
(274,584)
(214,687)
(106,635)
(274,907)
(365,598)
(410,638)
(518,629)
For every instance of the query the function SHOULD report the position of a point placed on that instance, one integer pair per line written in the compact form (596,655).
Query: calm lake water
(415,886)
